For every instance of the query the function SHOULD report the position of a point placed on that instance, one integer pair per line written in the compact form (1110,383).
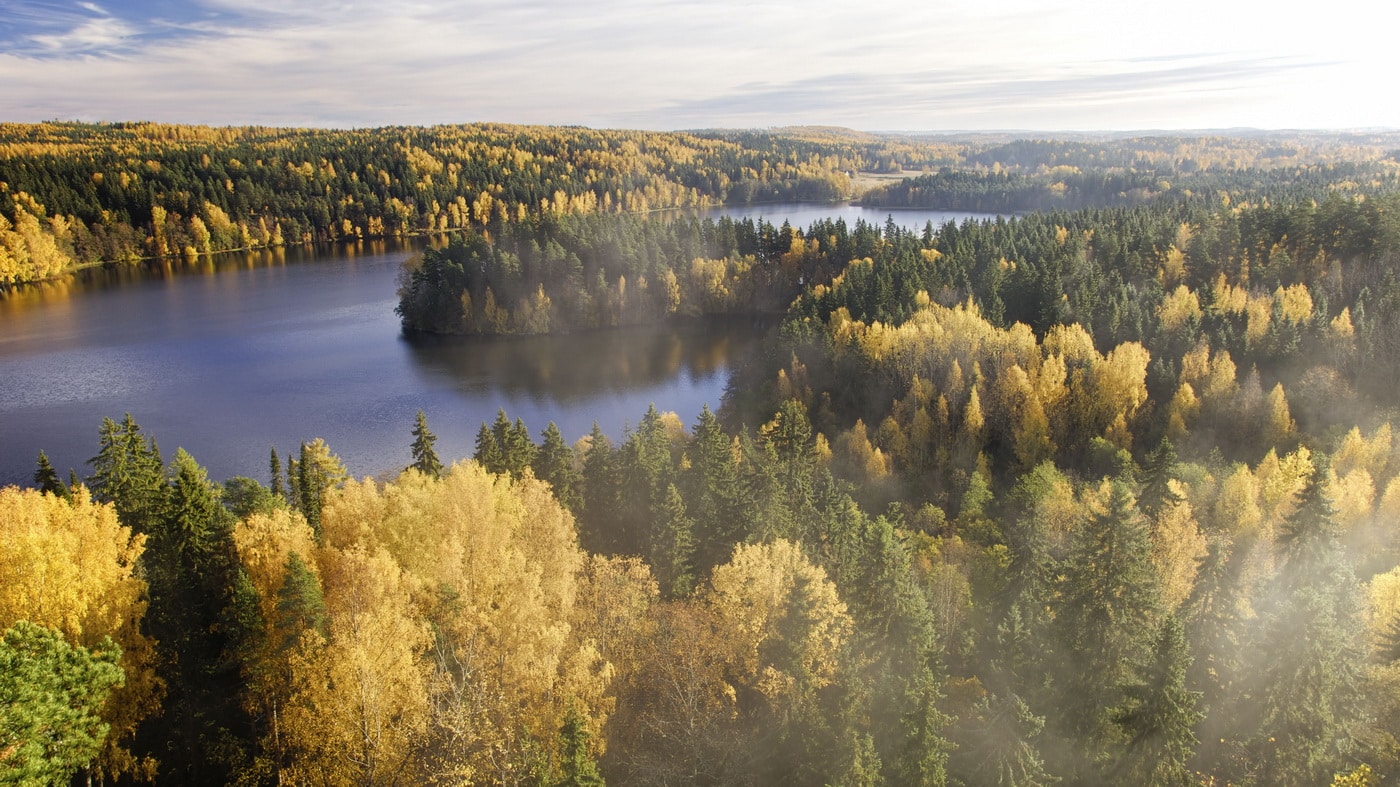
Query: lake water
(231,356)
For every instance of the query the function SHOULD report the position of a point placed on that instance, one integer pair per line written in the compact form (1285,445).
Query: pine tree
(1313,638)
(1160,716)
(51,700)
(998,745)
(275,470)
(192,570)
(554,462)
(128,473)
(519,450)
(576,764)
(425,459)
(488,451)
(1105,622)
(300,604)
(46,478)
(599,532)
(672,547)
(1157,471)
(712,487)
(317,472)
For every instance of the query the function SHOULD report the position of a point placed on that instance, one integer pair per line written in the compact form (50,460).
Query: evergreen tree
(317,471)
(554,462)
(488,450)
(519,450)
(1313,638)
(1160,716)
(711,485)
(672,547)
(1105,621)
(275,470)
(997,745)
(576,764)
(1157,473)
(46,478)
(192,571)
(600,532)
(425,459)
(51,700)
(128,473)
(300,604)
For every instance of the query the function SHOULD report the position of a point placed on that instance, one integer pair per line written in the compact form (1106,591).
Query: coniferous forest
(1103,491)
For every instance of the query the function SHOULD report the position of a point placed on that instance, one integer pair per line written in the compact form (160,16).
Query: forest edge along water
(230,355)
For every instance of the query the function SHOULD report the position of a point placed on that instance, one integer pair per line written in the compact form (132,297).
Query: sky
(875,65)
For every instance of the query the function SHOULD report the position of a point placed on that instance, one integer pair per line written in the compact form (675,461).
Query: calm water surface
(228,358)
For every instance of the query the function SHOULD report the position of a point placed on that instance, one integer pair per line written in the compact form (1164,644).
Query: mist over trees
(1077,497)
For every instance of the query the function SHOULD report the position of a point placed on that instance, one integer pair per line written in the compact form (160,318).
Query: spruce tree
(128,473)
(274,466)
(554,462)
(1105,622)
(519,449)
(672,547)
(711,485)
(46,478)
(1160,716)
(488,451)
(300,604)
(425,459)
(1313,639)
(577,768)
(1157,474)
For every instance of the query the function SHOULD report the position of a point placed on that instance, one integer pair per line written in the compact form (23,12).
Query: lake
(230,356)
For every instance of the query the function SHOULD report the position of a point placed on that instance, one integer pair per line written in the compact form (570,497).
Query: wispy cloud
(667,64)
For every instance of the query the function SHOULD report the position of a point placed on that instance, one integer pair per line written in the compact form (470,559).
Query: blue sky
(670,64)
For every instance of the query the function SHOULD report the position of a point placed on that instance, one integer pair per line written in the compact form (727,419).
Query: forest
(1105,493)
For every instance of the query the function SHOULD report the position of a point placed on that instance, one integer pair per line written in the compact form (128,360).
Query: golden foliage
(72,567)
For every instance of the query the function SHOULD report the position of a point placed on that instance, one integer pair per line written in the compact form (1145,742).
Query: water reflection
(579,367)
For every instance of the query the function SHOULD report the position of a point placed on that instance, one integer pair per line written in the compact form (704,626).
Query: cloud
(664,64)
(900,99)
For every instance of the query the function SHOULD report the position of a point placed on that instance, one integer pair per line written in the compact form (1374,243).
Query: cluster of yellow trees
(31,244)
(440,630)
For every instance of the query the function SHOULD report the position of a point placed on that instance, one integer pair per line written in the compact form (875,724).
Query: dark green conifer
(47,480)
(425,459)
(275,470)
(1160,717)
(554,462)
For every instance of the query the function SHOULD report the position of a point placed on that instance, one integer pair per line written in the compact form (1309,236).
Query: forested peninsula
(1103,493)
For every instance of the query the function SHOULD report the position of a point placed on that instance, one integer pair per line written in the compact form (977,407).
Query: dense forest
(1095,496)
(76,193)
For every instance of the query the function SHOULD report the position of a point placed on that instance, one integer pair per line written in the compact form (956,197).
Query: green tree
(301,606)
(274,466)
(519,449)
(672,547)
(46,478)
(1313,638)
(554,462)
(711,486)
(1160,716)
(316,471)
(997,745)
(1105,621)
(51,698)
(576,764)
(128,472)
(425,459)
(488,452)
(192,570)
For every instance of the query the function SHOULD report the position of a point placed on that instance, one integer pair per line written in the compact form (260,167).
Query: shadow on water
(575,368)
